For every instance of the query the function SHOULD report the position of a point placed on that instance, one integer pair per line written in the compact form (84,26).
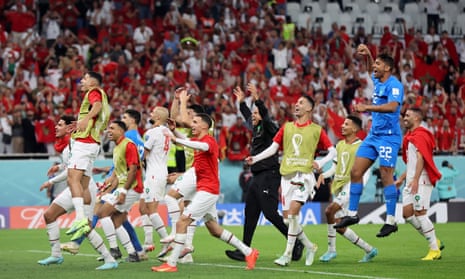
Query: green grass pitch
(399,256)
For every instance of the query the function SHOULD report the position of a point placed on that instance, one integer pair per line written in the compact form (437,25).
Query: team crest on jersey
(343,193)
(417,197)
(147,190)
(179,178)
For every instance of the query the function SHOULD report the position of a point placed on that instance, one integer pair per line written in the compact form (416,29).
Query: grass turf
(399,256)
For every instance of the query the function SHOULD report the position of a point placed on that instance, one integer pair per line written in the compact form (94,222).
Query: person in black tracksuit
(262,195)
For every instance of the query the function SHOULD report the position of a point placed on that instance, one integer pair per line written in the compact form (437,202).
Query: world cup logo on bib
(296,142)
(345,156)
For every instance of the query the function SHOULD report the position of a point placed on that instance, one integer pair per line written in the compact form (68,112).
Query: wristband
(122,191)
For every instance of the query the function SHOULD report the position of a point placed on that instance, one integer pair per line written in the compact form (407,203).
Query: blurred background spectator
(145,49)
(446,185)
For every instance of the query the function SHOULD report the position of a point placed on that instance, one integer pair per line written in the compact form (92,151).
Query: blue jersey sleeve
(134,136)
(387,123)
(395,91)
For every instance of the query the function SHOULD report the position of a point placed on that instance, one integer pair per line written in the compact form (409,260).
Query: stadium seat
(293,10)
(352,8)
(445,23)
(451,10)
(346,20)
(392,8)
(362,4)
(311,8)
(459,26)
(302,20)
(382,19)
(324,20)
(365,21)
(373,10)
(412,9)
(333,9)
(322,3)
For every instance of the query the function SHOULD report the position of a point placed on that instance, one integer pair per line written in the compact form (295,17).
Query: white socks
(78,204)
(231,239)
(158,225)
(428,231)
(351,212)
(413,220)
(179,241)
(355,239)
(109,230)
(99,245)
(148,229)
(173,211)
(190,234)
(53,232)
(123,237)
(331,238)
(391,220)
(292,234)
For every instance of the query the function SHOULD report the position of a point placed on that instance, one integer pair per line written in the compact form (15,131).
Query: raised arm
(363,50)
(245,111)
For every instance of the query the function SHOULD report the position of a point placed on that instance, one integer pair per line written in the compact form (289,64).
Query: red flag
(423,140)
(425,71)
(335,123)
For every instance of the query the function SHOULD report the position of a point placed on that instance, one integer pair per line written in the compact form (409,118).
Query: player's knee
(356,174)
(387,174)
(174,194)
(329,212)
(420,213)
(49,217)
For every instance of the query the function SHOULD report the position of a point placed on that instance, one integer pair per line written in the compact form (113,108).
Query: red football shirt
(324,142)
(206,166)
(94,96)
(132,158)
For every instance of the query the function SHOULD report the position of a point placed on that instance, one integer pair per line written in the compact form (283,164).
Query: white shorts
(154,188)
(342,198)
(296,187)
(131,198)
(65,199)
(82,156)
(186,184)
(203,205)
(421,200)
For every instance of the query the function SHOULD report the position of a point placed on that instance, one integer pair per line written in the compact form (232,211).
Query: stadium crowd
(145,49)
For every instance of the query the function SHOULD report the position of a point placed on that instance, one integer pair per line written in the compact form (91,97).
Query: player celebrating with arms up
(203,204)
(383,140)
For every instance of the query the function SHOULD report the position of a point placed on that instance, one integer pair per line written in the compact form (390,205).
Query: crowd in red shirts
(145,49)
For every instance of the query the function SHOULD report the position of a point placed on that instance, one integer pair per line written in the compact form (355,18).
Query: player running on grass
(132,119)
(343,163)
(203,204)
(299,141)
(183,185)
(63,203)
(420,177)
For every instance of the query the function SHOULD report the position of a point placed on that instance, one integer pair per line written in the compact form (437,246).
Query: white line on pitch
(256,268)
(47,252)
(298,271)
